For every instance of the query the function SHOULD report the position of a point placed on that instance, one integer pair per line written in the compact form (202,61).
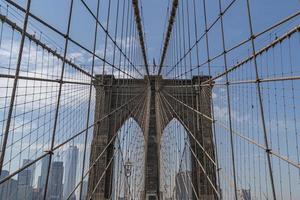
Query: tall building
(39,192)
(25,181)
(84,190)
(31,170)
(244,194)
(71,162)
(183,185)
(26,176)
(55,185)
(8,190)
(25,192)
(43,176)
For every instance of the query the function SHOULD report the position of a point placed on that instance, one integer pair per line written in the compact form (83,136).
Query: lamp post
(128,168)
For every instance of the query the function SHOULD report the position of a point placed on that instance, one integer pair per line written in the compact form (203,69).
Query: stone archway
(155,99)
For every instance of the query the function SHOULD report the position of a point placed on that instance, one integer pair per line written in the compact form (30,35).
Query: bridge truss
(55,54)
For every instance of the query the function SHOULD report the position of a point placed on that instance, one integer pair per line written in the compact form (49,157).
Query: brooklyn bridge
(149,100)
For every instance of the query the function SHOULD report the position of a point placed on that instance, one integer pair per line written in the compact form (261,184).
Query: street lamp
(128,167)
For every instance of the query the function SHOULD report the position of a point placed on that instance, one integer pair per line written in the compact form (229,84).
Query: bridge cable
(168,34)
(135,4)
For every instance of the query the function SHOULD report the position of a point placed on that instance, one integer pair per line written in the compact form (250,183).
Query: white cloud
(36,98)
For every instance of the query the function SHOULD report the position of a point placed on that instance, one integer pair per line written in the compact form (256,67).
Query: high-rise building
(244,194)
(31,170)
(84,190)
(71,162)
(55,185)
(43,176)
(25,181)
(26,176)
(4,188)
(8,189)
(183,185)
(25,192)
(36,194)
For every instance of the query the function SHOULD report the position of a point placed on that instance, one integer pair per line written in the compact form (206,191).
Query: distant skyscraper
(244,194)
(31,170)
(84,190)
(4,188)
(55,185)
(26,176)
(25,181)
(8,190)
(183,185)
(71,162)
(43,176)
(36,194)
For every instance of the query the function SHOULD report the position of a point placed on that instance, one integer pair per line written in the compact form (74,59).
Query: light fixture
(128,167)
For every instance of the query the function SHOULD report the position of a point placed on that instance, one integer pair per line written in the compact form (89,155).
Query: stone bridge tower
(153,103)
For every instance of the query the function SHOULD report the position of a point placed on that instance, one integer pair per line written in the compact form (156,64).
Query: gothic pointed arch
(129,150)
(176,166)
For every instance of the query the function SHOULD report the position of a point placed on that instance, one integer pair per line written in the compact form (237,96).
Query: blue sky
(265,13)
(278,97)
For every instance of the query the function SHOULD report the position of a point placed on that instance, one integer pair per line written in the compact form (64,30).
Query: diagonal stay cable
(193,153)
(168,34)
(14,88)
(70,139)
(70,39)
(222,173)
(102,175)
(109,36)
(204,171)
(140,32)
(165,120)
(4,19)
(164,114)
(270,28)
(105,148)
(199,163)
(131,113)
(262,50)
(172,111)
(193,136)
(200,38)
(293,163)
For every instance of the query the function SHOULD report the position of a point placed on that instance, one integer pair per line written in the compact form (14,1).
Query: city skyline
(62,179)
(148,100)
